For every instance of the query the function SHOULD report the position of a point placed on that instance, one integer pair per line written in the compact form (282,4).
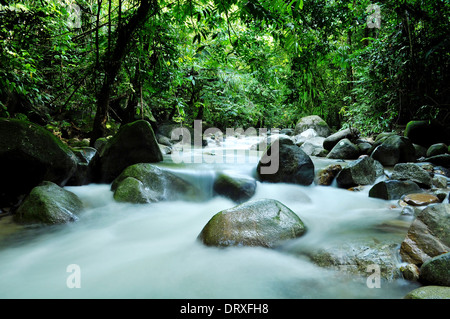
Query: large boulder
(284,162)
(412,172)
(436,271)
(428,236)
(50,204)
(344,149)
(238,188)
(29,155)
(264,222)
(146,183)
(134,143)
(314,122)
(395,149)
(426,133)
(363,171)
(333,139)
(393,189)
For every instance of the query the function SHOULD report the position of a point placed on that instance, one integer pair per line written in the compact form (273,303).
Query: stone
(436,271)
(284,162)
(440,160)
(333,139)
(360,172)
(344,149)
(264,222)
(421,199)
(437,149)
(428,236)
(412,172)
(85,173)
(238,188)
(313,147)
(49,204)
(134,143)
(29,155)
(312,122)
(410,272)
(429,292)
(326,176)
(147,183)
(393,189)
(439,181)
(394,149)
(426,133)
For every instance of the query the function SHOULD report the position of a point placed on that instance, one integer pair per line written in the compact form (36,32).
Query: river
(122,250)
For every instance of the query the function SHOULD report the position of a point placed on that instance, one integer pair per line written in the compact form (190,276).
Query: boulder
(312,122)
(313,147)
(238,188)
(412,172)
(363,171)
(264,222)
(437,149)
(146,183)
(85,173)
(326,176)
(333,139)
(344,149)
(393,189)
(429,292)
(50,204)
(134,143)
(440,160)
(394,149)
(436,271)
(428,236)
(29,155)
(426,133)
(284,162)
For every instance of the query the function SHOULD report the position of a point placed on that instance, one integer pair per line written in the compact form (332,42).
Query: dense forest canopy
(84,67)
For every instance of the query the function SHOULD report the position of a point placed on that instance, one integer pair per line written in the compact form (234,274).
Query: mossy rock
(29,155)
(436,271)
(429,292)
(264,223)
(48,204)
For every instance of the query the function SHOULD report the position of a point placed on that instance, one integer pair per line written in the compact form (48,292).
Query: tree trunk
(112,65)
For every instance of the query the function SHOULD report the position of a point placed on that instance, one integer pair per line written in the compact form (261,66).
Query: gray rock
(50,204)
(284,162)
(363,171)
(314,146)
(264,222)
(412,172)
(29,155)
(333,139)
(394,149)
(429,292)
(238,188)
(428,236)
(87,158)
(315,122)
(344,149)
(436,271)
(134,143)
(393,189)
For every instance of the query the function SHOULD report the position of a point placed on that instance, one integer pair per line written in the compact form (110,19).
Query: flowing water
(125,250)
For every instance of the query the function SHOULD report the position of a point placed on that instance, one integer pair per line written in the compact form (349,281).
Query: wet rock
(134,143)
(394,149)
(421,199)
(29,155)
(429,292)
(264,222)
(326,176)
(412,172)
(312,122)
(439,181)
(313,147)
(333,139)
(440,160)
(363,171)
(428,236)
(436,271)
(410,272)
(87,158)
(393,189)
(238,188)
(48,203)
(284,162)
(146,183)
(426,133)
(344,149)
(437,149)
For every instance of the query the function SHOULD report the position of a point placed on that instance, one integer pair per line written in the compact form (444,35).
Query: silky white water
(151,251)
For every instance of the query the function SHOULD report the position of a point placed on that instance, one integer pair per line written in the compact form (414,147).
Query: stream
(126,250)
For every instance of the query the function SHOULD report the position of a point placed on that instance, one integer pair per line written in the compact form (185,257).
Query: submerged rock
(285,162)
(48,204)
(428,236)
(146,183)
(29,155)
(134,143)
(238,188)
(264,222)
